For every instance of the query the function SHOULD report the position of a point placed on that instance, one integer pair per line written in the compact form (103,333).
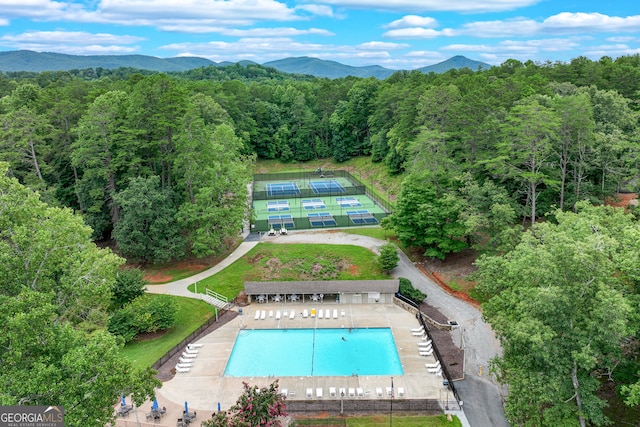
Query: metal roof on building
(322,286)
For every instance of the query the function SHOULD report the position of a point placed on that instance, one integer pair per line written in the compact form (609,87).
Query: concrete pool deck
(205,385)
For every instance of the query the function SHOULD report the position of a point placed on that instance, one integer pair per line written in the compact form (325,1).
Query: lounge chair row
(185,361)
(321,314)
(262,314)
(344,392)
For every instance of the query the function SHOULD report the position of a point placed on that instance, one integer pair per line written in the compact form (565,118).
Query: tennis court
(282,189)
(304,200)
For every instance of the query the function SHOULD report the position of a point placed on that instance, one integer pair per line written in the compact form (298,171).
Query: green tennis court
(306,201)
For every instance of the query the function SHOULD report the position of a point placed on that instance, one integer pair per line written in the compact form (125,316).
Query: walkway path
(481,395)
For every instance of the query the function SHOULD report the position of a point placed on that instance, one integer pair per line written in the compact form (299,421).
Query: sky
(396,34)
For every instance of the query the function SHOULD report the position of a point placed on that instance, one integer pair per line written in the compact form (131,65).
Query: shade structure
(186,407)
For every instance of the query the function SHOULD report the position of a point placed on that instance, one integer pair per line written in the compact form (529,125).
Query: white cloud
(419,33)
(591,22)
(464,6)
(196,10)
(316,9)
(410,21)
(381,46)
(4,22)
(71,37)
(273,32)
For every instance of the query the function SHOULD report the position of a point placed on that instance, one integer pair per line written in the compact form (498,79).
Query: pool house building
(323,291)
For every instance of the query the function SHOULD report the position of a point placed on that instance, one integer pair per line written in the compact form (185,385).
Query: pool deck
(205,385)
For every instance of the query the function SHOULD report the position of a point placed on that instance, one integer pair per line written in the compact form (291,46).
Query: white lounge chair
(313,312)
(278,315)
(434,370)
(284,392)
(360,392)
(425,344)
(426,353)
(263,315)
(320,314)
(309,393)
(191,345)
(270,313)
(418,334)
(426,348)
(352,392)
(257,315)
(332,392)
(190,350)
(184,365)
(400,391)
(292,314)
(389,391)
(379,391)
(188,355)
(432,365)
(342,313)
(186,359)
(335,313)
(319,392)
(182,369)
(420,329)
(426,339)
(305,313)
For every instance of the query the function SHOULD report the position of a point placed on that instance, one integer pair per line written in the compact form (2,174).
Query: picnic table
(124,410)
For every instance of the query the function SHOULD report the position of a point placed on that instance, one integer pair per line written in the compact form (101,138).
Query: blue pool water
(314,352)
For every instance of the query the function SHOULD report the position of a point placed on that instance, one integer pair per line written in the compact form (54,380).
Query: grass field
(190,315)
(270,261)
(403,421)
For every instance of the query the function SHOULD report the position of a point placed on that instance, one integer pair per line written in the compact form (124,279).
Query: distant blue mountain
(26,60)
(323,68)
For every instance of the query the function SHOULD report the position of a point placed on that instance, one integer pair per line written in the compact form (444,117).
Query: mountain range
(26,60)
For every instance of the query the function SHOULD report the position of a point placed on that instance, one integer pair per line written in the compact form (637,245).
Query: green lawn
(403,421)
(271,261)
(190,315)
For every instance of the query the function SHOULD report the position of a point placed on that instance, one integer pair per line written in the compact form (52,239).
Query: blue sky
(397,34)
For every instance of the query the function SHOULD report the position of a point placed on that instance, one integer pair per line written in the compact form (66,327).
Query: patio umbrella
(124,401)
(154,405)
(186,408)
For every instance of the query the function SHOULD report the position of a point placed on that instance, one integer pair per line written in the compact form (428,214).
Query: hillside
(29,61)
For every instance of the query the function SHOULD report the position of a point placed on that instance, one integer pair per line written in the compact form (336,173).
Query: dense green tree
(426,218)
(103,153)
(388,258)
(129,285)
(525,150)
(218,207)
(558,306)
(53,277)
(146,313)
(147,229)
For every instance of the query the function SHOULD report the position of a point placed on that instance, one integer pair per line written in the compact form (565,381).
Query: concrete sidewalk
(179,287)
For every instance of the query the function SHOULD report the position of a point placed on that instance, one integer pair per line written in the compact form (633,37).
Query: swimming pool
(314,352)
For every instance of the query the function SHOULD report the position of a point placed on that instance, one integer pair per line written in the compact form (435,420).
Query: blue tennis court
(313,204)
(278,221)
(278,206)
(282,189)
(321,219)
(362,216)
(348,202)
(326,187)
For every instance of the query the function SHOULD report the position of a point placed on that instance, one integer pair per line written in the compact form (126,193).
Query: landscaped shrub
(143,314)
(408,291)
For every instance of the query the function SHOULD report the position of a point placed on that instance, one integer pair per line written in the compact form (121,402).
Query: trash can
(239,311)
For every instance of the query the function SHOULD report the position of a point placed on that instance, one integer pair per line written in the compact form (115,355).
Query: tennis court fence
(312,190)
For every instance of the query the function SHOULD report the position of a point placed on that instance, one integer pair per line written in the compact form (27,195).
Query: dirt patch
(623,200)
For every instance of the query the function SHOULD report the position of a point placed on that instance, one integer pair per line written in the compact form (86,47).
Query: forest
(516,161)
